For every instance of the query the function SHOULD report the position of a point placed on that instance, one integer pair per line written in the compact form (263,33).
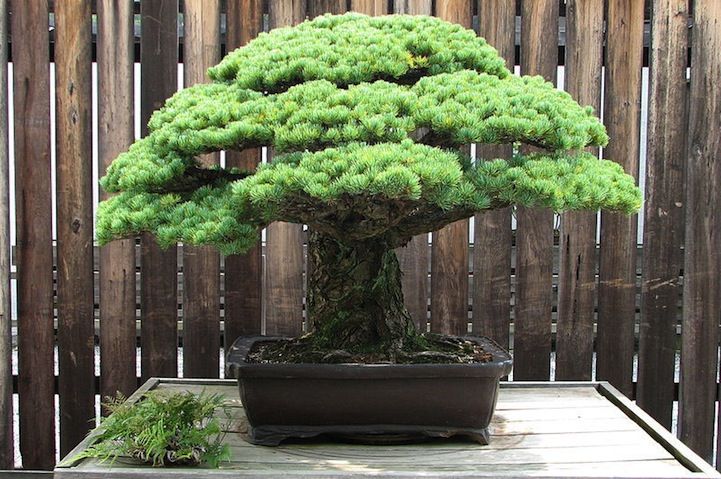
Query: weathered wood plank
(414,258)
(201,264)
(7,441)
(370,7)
(492,229)
(577,274)
(702,261)
(284,241)
(413,7)
(534,231)
(663,211)
(116,259)
(320,7)
(617,266)
(31,83)
(449,254)
(243,273)
(74,156)
(158,299)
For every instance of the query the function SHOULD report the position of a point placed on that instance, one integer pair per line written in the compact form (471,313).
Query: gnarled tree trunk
(355,300)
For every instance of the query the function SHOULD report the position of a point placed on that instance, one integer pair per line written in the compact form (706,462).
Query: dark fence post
(617,264)
(117,259)
(449,253)
(33,203)
(284,241)
(7,452)
(243,273)
(663,212)
(492,233)
(201,264)
(702,261)
(577,270)
(76,322)
(534,232)
(159,272)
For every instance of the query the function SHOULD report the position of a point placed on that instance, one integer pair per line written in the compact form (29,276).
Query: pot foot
(371,435)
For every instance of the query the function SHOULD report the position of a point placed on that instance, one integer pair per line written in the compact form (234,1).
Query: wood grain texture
(31,83)
(320,7)
(284,241)
(414,258)
(201,264)
(492,240)
(413,7)
(663,223)
(370,7)
(617,264)
(702,261)
(449,254)
(7,441)
(117,259)
(74,157)
(243,273)
(574,431)
(577,270)
(158,291)
(534,231)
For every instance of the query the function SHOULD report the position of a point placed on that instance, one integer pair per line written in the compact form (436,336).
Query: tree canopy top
(366,116)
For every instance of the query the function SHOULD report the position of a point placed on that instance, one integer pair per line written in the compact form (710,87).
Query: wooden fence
(75,296)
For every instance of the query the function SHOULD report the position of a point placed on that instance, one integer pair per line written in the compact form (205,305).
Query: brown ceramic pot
(367,400)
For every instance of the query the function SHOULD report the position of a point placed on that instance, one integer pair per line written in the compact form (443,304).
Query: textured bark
(355,299)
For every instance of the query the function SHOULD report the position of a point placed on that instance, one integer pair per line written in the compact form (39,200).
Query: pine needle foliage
(366,116)
(163,429)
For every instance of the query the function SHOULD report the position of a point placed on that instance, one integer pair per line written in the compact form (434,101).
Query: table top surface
(560,431)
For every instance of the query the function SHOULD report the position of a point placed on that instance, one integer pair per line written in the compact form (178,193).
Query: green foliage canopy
(366,116)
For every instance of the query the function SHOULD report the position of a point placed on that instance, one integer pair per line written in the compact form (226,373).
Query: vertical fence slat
(702,261)
(492,229)
(577,270)
(76,329)
(413,7)
(31,82)
(370,7)
(663,218)
(415,256)
(284,241)
(7,445)
(534,231)
(449,254)
(243,273)
(159,296)
(617,265)
(201,264)
(117,259)
(319,7)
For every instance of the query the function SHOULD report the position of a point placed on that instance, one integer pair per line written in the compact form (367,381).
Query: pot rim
(237,367)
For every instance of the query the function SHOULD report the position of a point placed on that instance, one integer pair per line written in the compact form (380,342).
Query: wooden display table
(539,430)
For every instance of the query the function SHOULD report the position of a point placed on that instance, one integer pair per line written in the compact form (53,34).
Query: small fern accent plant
(163,429)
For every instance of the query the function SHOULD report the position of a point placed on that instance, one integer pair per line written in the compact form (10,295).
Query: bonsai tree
(367,117)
